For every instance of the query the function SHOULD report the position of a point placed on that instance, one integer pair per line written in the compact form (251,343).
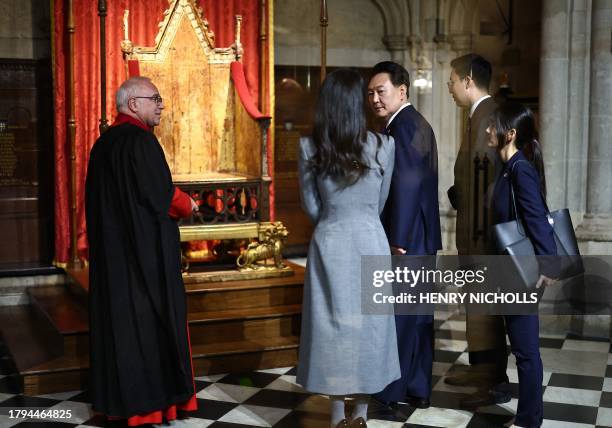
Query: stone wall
(25,29)
(354,33)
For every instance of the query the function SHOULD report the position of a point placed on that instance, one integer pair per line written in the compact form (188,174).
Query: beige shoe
(511,424)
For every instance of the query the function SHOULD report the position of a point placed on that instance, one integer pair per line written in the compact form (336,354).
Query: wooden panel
(49,383)
(194,76)
(26,163)
(76,345)
(286,149)
(62,310)
(28,337)
(222,113)
(244,330)
(248,141)
(296,279)
(80,279)
(241,363)
(244,314)
(25,233)
(244,346)
(244,299)
(187,129)
(205,127)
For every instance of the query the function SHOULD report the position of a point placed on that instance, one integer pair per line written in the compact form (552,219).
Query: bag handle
(518,221)
(516,216)
(512,189)
(519,226)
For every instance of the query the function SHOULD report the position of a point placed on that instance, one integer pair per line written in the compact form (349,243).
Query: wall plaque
(26,163)
(8,159)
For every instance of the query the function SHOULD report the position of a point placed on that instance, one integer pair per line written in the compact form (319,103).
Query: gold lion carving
(270,247)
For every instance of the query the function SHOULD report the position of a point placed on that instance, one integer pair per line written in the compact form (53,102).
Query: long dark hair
(339,129)
(512,115)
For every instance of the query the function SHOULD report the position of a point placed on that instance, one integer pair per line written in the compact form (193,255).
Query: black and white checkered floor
(577,393)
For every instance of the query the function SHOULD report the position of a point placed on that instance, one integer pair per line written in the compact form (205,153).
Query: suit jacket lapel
(397,119)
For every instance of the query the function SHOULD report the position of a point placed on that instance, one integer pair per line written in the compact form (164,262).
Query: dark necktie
(469,127)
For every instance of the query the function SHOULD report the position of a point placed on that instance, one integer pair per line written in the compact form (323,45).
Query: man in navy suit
(411,219)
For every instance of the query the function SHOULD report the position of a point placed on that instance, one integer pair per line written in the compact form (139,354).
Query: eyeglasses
(450,83)
(155,98)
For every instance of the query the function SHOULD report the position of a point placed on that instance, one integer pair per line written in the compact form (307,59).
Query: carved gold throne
(212,133)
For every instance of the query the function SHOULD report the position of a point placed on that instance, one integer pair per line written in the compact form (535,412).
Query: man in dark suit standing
(469,86)
(411,219)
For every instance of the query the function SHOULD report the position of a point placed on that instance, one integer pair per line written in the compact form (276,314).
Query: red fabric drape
(143,20)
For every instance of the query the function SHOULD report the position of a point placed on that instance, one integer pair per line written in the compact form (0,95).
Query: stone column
(397,44)
(595,232)
(461,43)
(554,87)
(423,68)
(578,120)
(596,229)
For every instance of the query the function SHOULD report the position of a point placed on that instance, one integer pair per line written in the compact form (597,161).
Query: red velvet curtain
(143,26)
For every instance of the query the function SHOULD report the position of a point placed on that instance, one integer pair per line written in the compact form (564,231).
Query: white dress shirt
(395,114)
(473,108)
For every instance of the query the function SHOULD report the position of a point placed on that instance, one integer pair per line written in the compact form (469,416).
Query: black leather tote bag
(512,240)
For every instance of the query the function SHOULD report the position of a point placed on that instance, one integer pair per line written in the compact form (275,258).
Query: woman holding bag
(512,131)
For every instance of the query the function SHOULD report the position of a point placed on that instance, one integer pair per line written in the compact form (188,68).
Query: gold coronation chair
(213,135)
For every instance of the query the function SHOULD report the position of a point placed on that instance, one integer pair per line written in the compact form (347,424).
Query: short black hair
(475,66)
(398,74)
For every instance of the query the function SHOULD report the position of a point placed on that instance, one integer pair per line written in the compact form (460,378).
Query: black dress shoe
(467,379)
(343,424)
(358,423)
(486,398)
(418,402)
(482,375)
(381,404)
(386,409)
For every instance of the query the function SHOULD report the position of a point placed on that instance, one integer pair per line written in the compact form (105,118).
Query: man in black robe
(140,358)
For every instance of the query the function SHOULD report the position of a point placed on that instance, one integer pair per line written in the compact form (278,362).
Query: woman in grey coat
(345,173)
